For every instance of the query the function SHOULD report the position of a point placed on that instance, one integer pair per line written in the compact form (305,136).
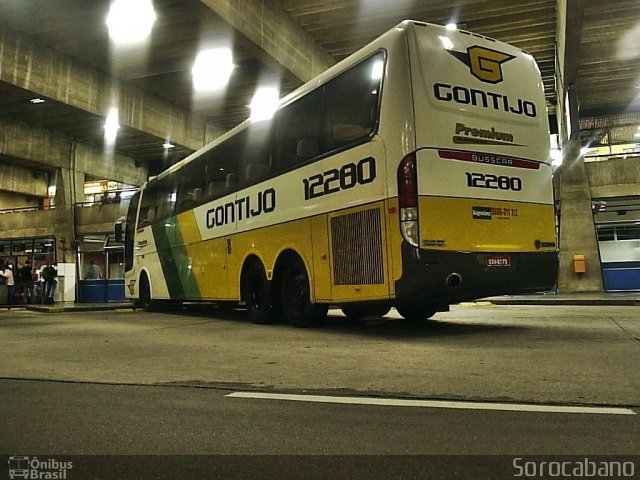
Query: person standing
(7,273)
(49,273)
(93,272)
(24,283)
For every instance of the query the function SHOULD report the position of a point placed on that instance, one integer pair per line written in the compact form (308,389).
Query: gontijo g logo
(485,64)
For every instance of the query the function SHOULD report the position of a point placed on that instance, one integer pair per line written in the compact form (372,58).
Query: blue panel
(115,291)
(621,276)
(91,291)
(100,291)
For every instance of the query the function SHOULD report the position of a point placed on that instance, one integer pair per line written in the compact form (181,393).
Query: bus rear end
(475,197)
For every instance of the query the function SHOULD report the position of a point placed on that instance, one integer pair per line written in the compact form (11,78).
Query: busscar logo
(485,64)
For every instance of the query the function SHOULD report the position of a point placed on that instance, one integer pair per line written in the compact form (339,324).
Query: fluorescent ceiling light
(264,103)
(130,21)
(37,100)
(111,126)
(212,69)
(452,27)
(167,145)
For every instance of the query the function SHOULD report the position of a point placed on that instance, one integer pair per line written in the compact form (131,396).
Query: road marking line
(396,402)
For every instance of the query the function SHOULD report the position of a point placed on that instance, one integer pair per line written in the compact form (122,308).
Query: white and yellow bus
(414,174)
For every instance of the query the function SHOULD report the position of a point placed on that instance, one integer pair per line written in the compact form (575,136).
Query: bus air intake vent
(356,242)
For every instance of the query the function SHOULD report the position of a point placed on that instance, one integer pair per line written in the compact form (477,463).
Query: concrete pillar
(577,230)
(64,230)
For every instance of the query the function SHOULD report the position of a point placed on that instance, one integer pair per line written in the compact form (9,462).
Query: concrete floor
(542,354)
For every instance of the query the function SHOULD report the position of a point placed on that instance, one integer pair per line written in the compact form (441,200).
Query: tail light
(408,199)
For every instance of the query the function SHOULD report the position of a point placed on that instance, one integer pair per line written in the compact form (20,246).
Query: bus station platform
(567,299)
(585,298)
(60,307)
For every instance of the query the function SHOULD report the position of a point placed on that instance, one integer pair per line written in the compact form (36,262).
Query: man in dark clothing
(24,281)
(49,274)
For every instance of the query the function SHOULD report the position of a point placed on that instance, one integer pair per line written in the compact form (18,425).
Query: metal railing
(611,156)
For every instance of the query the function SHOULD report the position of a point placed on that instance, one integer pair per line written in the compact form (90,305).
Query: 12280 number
(487,180)
(344,178)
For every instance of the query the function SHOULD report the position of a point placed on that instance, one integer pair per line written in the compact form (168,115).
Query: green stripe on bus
(190,287)
(164,236)
(181,282)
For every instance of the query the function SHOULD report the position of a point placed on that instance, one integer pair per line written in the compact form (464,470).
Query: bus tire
(144,294)
(296,298)
(416,313)
(256,293)
(358,311)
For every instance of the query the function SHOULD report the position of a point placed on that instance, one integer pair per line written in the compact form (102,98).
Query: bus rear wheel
(296,298)
(415,313)
(256,294)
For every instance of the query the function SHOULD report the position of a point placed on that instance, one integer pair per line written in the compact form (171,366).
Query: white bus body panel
(501,114)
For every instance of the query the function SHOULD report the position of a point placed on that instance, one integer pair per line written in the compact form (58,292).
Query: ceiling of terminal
(605,53)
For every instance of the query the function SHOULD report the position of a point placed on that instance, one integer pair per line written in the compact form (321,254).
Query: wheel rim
(298,293)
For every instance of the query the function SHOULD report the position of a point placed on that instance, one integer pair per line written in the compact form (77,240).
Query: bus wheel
(356,312)
(296,298)
(145,293)
(414,313)
(256,294)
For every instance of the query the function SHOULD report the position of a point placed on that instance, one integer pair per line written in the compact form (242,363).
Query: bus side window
(230,181)
(351,103)
(215,189)
(256,171)
(148,206)
(167,197)
(307,148)
(298,131)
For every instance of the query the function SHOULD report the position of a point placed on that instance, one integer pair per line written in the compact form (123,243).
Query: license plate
(498,261)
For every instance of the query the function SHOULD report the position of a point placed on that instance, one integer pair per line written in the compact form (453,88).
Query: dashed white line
(396,402)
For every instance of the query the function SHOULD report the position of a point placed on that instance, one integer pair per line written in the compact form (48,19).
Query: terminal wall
(617,177)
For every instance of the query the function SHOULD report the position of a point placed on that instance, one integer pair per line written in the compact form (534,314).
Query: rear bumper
(427,273)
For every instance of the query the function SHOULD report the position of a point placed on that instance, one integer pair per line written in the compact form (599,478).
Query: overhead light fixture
(452,27)
(264,103)
(111,126)
(212,69)
(167,145)
(130,21)
(35,101)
